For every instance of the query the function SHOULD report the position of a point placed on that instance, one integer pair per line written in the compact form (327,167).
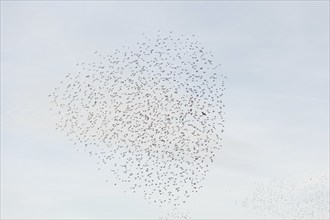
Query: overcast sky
(276,58)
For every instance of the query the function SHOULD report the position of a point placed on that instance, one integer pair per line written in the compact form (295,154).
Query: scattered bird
(291,198)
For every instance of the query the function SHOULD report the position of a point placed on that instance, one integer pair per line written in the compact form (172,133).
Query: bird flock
(151,113)
(293,198)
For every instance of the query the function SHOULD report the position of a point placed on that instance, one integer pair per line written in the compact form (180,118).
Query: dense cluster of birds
(151,113)
(294,198)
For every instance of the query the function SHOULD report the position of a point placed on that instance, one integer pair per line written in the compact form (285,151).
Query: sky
(276,59)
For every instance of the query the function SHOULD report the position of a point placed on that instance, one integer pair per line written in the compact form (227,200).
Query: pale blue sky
(276,57)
